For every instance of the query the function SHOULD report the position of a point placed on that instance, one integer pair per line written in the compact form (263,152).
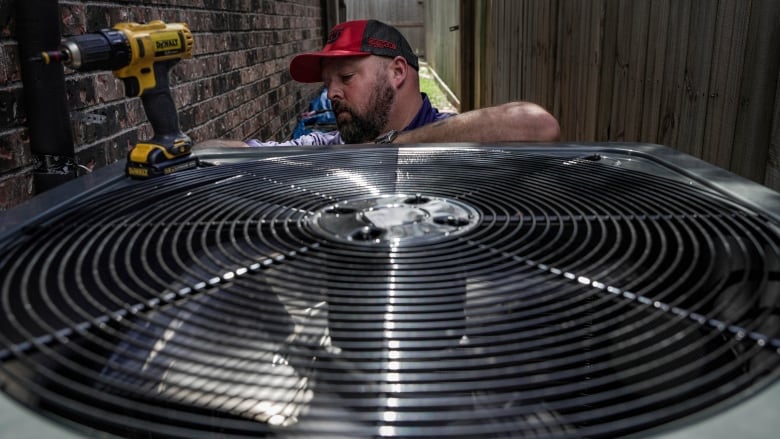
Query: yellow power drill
(141,55)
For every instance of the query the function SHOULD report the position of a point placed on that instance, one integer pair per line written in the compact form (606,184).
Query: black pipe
(45,102)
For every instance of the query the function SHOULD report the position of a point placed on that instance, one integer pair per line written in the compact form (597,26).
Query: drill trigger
(132,86)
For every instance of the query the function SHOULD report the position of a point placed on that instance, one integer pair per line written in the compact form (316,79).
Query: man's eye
(346,78)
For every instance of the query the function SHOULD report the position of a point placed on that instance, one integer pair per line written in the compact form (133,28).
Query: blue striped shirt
(427,114)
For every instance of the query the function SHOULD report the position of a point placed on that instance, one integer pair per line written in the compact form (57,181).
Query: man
(371,74)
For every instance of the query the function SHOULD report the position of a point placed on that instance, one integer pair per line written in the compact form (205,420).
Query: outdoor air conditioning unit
(459,290)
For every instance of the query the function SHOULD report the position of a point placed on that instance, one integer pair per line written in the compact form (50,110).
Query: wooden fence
(442,36)
(405,15)
(700,76)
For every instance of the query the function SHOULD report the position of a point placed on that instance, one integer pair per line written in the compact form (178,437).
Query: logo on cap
(382,44)
(334,35)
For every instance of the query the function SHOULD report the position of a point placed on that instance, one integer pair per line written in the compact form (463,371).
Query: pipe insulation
(38,29)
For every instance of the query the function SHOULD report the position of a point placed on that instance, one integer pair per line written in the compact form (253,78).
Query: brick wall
(237,85)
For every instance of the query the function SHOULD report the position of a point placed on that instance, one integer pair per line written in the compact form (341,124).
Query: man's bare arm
(514,121)
(220,143)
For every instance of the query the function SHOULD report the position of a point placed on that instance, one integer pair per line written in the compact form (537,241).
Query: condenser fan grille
(412,292)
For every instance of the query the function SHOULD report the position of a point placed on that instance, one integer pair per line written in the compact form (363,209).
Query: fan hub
(394,219)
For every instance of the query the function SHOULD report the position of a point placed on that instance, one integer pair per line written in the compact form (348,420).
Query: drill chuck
(107,49)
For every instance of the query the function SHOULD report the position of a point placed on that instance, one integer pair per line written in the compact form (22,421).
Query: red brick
(14,150)
(9,63)
(15,189)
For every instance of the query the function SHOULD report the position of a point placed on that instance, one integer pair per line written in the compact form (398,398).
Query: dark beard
(363,128)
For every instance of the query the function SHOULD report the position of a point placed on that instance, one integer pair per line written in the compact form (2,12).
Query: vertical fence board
(564,69)
(674,72)
(762,59)
(772,175)
(608,46)
(583,35)
(573,38)
(443,38)
(513,39)
(620,80)
(723,95)
(467,40)
(481,52)
(592,64)
(545,93)
(556,106)
(489,76)
(500,87)
(697,78)
(526,40)
(656,54)
(637,61)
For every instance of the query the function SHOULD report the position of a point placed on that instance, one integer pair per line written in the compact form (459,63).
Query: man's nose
(334,93)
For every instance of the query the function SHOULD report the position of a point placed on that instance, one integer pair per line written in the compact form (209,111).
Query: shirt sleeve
(311,139)
(442,116)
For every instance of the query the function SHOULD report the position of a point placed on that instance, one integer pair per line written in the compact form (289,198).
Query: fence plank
(609,19)
(727,62)
(697,78)
(564,105)
(513,38)
(527,39)
(592,66)
(674,73)
(545,73)
(753,129)
(489,66)
(500,87)
(772,178)
(622,62)
(656,55)
(468,54)
(637,61)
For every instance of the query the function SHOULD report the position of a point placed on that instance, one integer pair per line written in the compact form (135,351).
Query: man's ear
(399,71)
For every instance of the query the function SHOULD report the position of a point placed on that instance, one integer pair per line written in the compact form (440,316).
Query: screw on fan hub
(451,220)
(367,234)
(394,219)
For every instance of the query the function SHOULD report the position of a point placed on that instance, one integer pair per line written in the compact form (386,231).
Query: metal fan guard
(431,291)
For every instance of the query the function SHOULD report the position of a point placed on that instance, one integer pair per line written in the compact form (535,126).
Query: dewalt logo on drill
(168,43)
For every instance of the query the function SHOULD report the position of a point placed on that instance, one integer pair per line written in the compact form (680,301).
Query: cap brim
(307,67)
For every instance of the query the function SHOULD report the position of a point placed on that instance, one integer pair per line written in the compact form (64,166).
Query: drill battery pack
(147,170)
(162,155)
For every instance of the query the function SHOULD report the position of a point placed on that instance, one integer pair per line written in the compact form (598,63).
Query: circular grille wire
(589,301)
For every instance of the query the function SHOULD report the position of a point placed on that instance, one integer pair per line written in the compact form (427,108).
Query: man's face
(360,94)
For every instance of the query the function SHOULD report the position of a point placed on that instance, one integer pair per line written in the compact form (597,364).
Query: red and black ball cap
(353,38)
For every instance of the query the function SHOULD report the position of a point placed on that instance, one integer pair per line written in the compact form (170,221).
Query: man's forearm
(515,121)
(219,143)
